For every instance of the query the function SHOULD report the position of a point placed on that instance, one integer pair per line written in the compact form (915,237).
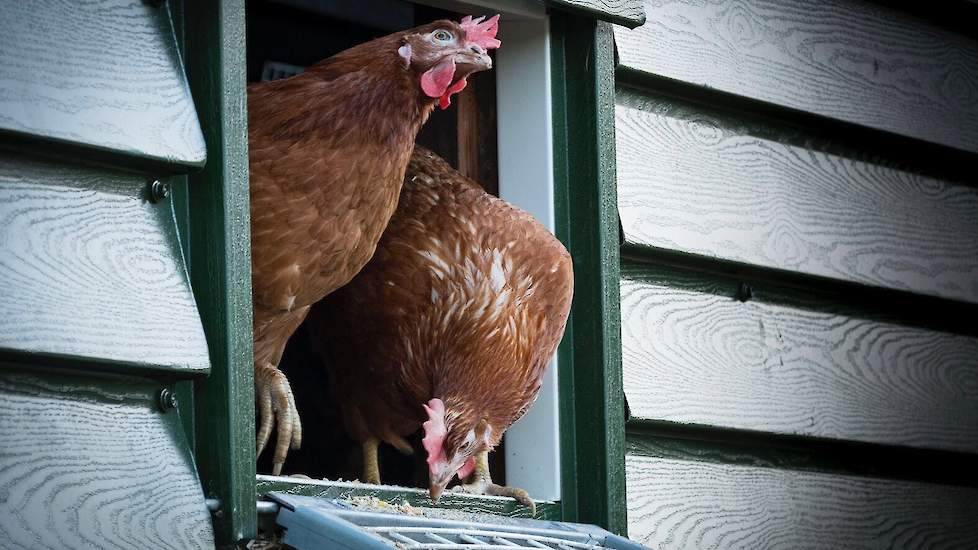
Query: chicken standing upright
(327,150)
(449,327)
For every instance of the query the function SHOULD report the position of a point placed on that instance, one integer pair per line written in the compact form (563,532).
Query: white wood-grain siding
(692,354)
(675,504)
(850,60)
(731,189)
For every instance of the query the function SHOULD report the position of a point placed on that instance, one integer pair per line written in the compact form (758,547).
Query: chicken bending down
(448,328)
(328,149)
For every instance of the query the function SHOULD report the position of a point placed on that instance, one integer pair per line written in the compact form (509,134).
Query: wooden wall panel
(718,187)
(89,268)
(741,152)
(677,504)
(849,60)
(94,464)
(104,74)
(694,354)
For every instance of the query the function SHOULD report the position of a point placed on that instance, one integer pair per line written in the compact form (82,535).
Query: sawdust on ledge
(375,504)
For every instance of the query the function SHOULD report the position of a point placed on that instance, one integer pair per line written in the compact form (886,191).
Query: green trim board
(502,506)
(102,76)
(562,228)
(848,60)
(221,259)
(630,13)
(592,413)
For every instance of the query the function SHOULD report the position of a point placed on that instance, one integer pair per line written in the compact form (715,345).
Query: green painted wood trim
(592,402)
(221,259)
(629,13)
(562,228)
(499,506)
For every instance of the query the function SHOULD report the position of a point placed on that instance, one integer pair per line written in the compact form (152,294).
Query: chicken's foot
(480,482)
(371,469)
(276,406)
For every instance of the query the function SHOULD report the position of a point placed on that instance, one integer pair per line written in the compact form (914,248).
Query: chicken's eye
(442,36)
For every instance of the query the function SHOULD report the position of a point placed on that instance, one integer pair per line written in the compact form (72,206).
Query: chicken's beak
(435,491)
(438,483)
(473,60)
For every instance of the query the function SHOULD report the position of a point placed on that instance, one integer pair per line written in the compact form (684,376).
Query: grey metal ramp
(313,523)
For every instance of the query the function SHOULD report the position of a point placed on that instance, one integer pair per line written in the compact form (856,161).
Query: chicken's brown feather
(465,300)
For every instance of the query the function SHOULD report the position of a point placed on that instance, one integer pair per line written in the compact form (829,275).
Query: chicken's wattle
(437,82)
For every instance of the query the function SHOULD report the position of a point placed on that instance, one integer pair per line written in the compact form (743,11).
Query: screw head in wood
(745,292)
(167,400)
(158,191)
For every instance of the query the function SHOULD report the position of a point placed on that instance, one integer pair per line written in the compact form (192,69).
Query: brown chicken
(449,327)
(328,149)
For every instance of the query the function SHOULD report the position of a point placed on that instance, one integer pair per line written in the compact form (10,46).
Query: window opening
(284,37)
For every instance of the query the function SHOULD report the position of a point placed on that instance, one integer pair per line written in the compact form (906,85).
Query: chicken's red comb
(434,430)
(482,32)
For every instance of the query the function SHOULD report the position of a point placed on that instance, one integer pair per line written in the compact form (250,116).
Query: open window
(498,132)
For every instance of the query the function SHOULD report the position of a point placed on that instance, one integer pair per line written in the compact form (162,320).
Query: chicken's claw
(482,487)
(276,405)
(520,495)
(480,483)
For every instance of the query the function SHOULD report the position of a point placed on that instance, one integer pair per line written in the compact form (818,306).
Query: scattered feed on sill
(375,504)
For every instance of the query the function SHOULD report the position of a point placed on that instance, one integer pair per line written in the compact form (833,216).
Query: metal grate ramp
(314,523)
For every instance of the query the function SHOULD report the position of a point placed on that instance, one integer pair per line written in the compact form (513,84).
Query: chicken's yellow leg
(480,482)
(371,470)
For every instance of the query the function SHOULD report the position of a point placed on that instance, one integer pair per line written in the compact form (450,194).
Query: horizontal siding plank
(104,74)
(90,464)
(849,60)
(692,354)
(90,269)
(678,504)
(702,183)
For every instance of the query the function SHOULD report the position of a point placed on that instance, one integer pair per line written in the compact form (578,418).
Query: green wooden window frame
(592,413)
(592,406)
(220,257)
